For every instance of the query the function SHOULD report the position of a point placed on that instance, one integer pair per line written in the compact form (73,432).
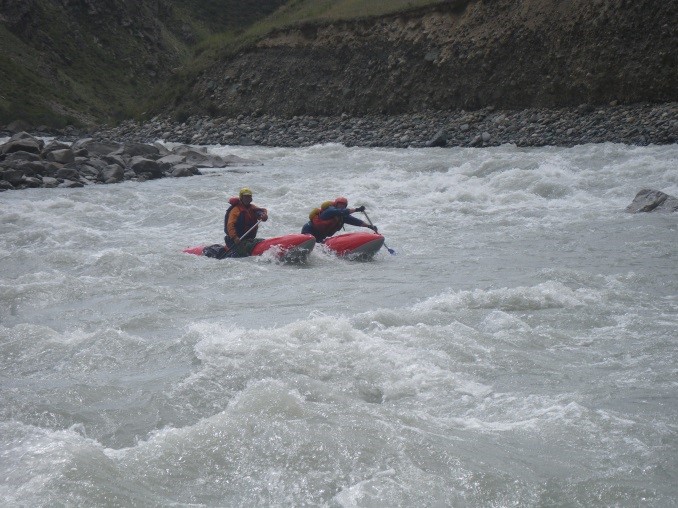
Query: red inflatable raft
(355,245)
(288,248)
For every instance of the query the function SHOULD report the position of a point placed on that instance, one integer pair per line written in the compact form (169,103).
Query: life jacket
(327,227)
(246,219)
(233,202)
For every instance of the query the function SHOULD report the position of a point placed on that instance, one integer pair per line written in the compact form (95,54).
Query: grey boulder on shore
(650,200)
(27,162)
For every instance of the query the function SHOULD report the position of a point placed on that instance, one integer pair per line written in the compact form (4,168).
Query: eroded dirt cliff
(462,54)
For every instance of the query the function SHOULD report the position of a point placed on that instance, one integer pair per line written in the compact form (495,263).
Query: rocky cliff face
(461,54)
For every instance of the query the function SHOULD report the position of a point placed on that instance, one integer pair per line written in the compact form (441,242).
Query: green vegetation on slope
(61,67)
(298,12)
(99,63)
(26,90)
(75,67)
(222,15)
(304,11)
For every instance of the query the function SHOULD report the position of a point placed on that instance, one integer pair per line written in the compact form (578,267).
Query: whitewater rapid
(519,348)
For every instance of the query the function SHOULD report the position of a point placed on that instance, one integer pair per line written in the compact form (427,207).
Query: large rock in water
(649,200)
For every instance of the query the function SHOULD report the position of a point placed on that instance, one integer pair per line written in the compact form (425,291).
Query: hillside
(456,54)
(94,61)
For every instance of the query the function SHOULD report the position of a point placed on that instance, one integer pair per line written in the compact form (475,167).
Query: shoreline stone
(130,150)
(637,124)
(26,162)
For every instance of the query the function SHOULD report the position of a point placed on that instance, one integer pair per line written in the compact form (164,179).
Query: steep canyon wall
(463,54)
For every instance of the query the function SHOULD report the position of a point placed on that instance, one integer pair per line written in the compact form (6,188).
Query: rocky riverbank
(27,161)
(131,150)
(638,124)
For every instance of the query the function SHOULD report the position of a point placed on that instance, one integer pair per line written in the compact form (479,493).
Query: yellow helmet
(245,192)
(326,204)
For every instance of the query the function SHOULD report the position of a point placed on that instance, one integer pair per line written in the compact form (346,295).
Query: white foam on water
(518,348)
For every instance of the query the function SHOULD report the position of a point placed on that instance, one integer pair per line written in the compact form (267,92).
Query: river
(519,349)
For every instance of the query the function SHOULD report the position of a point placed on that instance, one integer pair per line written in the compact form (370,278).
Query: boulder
(142,165)
(79,144)
(12,176)
(31,181)
(100,164)
(49,182)
(183,149)
(137,150)
(99,147)
(20,157)
(30,168)
(112,173)
(162,149)
(440,139)
(22,142)
(89,171)
(53,145)
(650,200)
(68,174)
(181,170)
(114,159)
(196,158)
(50,169)
(171,159)
(63,156)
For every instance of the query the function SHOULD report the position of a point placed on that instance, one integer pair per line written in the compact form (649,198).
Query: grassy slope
(318,10)
(297,12)
(72,72)
(26,89)
(220,15)
(82,77)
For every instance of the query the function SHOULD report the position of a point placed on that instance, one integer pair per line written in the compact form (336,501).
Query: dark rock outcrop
(73,165)
(649,200)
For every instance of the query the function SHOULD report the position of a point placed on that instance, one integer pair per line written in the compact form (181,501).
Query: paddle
(243,236)
(390,251)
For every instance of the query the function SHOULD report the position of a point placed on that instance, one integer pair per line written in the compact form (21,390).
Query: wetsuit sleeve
(332,212)
(354,221)
(230,226)
(344,213)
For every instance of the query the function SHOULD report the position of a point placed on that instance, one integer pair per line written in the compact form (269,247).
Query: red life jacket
(327,227)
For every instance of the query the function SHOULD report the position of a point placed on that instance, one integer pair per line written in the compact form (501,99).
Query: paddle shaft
(390,251)
(243,236)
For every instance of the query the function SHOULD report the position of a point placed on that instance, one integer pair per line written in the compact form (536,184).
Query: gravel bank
(638,124)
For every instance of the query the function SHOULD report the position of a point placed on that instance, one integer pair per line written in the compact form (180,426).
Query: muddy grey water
(518,350)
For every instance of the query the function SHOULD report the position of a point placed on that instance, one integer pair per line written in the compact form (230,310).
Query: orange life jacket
(246,218)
